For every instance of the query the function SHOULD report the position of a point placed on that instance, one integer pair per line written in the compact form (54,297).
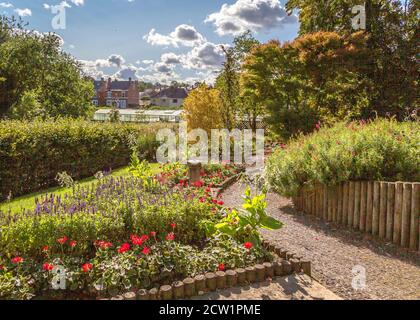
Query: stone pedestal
(194,169)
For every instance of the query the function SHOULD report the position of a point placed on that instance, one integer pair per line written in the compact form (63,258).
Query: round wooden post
(200,283)
(357,195)
(345,203)
(211,283)
(340,204)
(397,213)
(269,269)
(306,267)
(278,268)
(376,204)
(260,271)
(350,213)
(241,276)
(334,204)
(143,295)
(382,209)
(166,292)
(231,278)
(221,279)
(325,201)
(129,296)
(154,294)
(363,198)
(189,287)
(251,274)
(406,219)
(415,212)
(390,199)
(330,203)
(369,207)
(179,290)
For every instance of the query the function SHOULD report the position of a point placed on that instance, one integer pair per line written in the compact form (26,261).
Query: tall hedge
(380,150)
(32,153)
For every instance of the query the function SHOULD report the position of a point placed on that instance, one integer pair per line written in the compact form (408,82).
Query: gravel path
(334,251)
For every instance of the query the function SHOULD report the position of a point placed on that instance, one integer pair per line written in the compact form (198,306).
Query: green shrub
(380,150)
(32,153)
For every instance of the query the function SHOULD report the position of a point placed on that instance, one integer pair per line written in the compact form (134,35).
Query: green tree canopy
(33,65)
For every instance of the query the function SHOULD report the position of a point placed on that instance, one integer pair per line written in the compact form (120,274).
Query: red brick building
(120,94)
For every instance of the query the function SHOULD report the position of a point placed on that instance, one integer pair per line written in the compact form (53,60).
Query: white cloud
(255,15)
(23,12)
(116,59)
(6,5)
(78,2)
(183,34)
(206,56)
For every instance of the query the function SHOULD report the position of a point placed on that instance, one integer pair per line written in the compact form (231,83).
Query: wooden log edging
(387,210)
(284,264)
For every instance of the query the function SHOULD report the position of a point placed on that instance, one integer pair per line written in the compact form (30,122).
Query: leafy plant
(244,224)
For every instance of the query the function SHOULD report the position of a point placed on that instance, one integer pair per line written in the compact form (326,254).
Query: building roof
(156,113)
(115,85)
(171,93)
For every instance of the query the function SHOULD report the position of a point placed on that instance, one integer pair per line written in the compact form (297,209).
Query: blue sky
(155,40)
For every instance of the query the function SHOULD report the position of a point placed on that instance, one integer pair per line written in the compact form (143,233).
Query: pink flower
(103,244)
(146,251)
(72,244)
(170,236)
(17,260)
(62,240)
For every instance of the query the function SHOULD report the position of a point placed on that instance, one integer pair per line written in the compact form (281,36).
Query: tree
(228,83)
(314,78)
(114,115)
(30,61)
(202,109)
(393,31)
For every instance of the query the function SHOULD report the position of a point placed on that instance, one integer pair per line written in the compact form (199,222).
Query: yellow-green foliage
(380,150)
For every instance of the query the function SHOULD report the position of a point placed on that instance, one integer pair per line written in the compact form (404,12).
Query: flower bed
(123,234)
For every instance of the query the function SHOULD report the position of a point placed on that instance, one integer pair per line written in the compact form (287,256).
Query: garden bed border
(285,263)
(389,211)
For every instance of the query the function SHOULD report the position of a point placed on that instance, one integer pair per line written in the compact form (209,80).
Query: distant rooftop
(115,84)
(171,93)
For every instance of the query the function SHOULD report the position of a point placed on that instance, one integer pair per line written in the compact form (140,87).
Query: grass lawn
(28,201)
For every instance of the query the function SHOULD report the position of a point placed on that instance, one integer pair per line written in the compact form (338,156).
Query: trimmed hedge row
(382,150)
(32,153)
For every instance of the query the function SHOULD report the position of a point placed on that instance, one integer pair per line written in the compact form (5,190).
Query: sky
(153,40)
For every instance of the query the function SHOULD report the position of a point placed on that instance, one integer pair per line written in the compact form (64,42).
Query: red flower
(220,203)
(136,240)
(173,225)
(215,201)
(248,245)
(62,240)
(124,248)
(198,184)
(146,251)
(202,199)
(45,249)
(72,244)
(48,267)
(170,236)
(1,267)
(87,267)
(153,234)
(17,260)
(318,125)
(222,267)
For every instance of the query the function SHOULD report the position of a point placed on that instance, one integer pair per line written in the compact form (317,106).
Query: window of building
(109,94)
(109,103)
(95,102)
(175,101)
(123,104)
(124,94)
